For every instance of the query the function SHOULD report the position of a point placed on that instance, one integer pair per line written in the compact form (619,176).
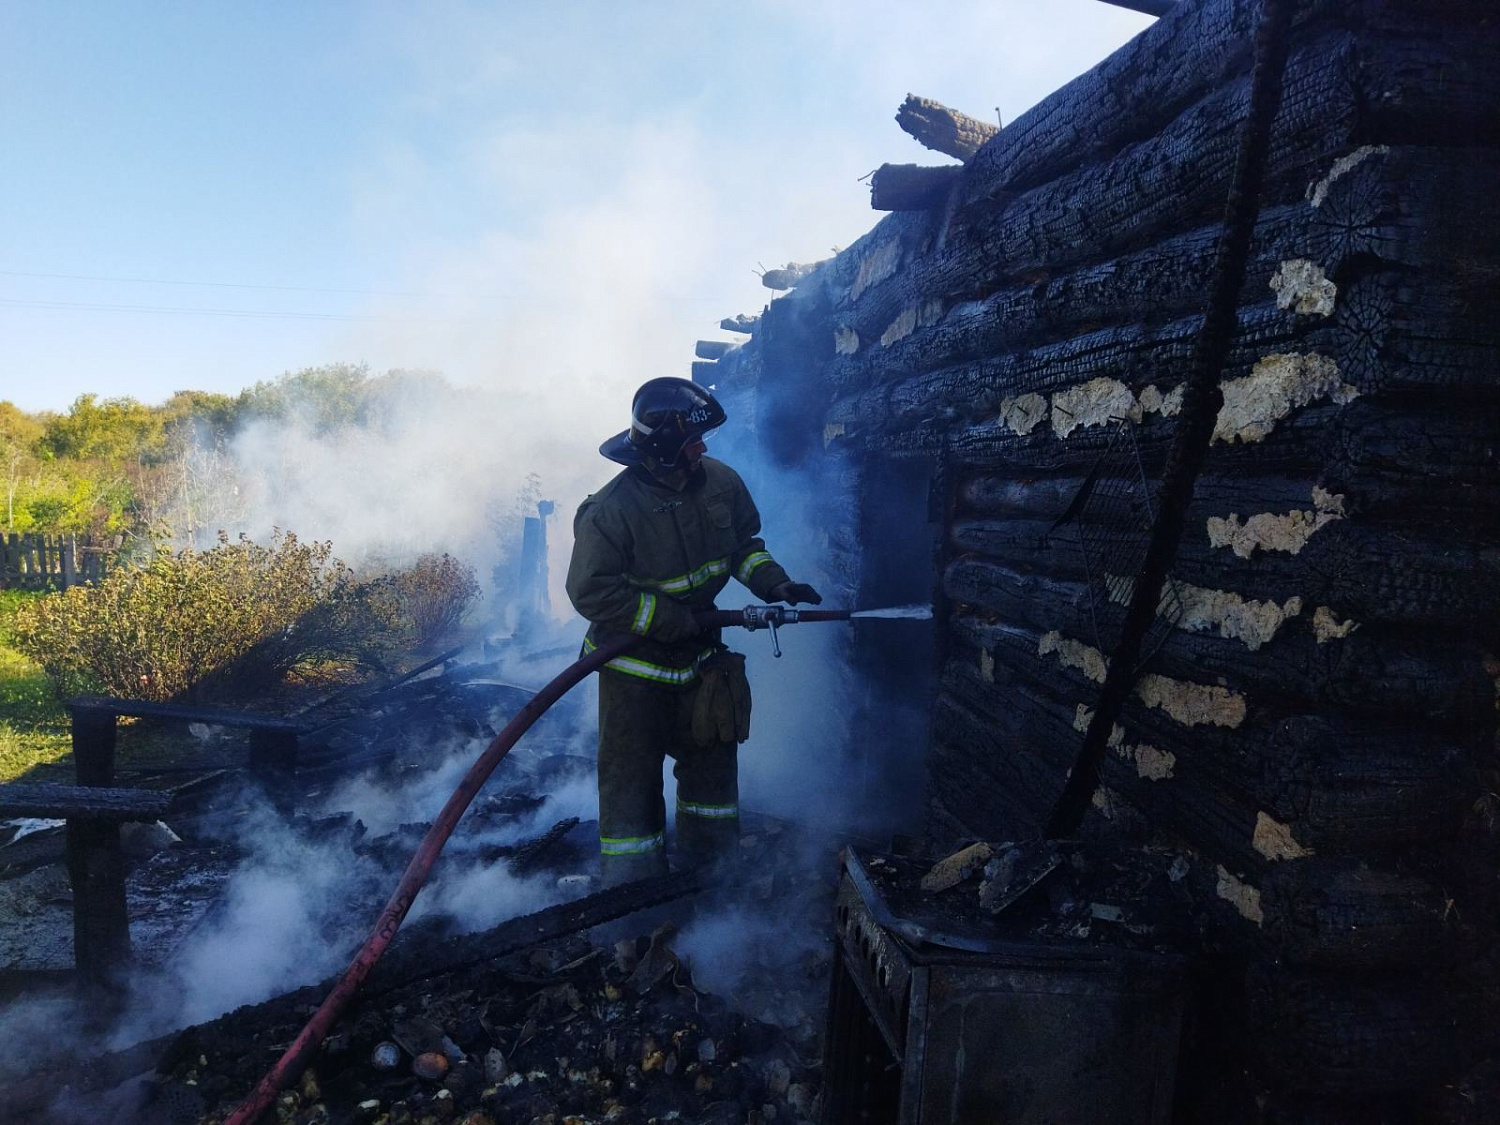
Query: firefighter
(652,546)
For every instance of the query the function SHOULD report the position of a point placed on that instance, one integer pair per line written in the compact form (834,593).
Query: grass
(33,724)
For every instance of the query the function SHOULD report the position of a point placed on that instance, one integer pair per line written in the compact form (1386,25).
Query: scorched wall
(1317,733)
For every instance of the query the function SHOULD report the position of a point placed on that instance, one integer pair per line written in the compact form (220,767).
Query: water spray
(296,1057)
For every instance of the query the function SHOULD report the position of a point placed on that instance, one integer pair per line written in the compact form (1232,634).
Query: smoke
(727,948)
(299,902)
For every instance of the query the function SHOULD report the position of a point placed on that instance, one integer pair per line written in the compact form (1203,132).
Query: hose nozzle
(768,617)
(771,617)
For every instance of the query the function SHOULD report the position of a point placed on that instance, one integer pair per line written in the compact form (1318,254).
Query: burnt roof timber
(1149,7)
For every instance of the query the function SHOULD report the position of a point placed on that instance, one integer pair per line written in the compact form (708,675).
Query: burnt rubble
(585,1010)
(1098,892)
(598,1027)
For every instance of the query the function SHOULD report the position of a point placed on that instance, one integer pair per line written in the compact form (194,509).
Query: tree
(19,433)
(328,397)
(112,430)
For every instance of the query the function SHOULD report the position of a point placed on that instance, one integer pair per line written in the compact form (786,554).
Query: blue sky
(546,198)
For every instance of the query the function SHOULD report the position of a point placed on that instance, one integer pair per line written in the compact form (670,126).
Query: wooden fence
(43,562)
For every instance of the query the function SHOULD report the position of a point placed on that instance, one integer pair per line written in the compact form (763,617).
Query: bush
(236,617)
(430,598)
(153,632)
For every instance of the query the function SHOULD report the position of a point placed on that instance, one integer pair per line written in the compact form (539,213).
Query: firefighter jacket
(646,556)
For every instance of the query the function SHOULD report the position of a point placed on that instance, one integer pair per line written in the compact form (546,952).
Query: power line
(251,314)
(218,284)
(300,288)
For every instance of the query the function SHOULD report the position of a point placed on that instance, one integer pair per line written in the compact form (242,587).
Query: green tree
(19,434)
(329,397)
(112,430)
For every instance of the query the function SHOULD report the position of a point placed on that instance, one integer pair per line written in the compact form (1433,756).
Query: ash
(714,1014)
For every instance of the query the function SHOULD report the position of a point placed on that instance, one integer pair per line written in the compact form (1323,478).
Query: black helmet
(666,415)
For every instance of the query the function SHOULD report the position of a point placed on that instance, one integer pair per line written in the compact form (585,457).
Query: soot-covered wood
(1342,557)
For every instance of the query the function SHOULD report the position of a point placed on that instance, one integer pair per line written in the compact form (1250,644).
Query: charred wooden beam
(790,275)
(93,746)
(273,740)
(1353,1034)
(187,713)
(711,349)
(95,863)
(1343,785)
(739,323)
(704,371)
(942,129)
(912,187)
(1345,914)
(1149,7)
(1399,206)
(82,802)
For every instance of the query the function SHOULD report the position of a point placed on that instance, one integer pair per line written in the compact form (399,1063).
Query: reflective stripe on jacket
(646,556)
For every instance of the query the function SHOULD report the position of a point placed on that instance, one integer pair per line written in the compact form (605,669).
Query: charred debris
(1283,904)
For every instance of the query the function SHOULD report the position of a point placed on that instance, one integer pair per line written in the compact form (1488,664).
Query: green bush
(235,618)
(156,631)
(430,597)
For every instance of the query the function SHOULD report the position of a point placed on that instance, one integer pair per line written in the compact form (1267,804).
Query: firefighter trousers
(640,725)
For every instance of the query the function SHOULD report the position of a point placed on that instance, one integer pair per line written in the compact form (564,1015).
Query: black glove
(794,592)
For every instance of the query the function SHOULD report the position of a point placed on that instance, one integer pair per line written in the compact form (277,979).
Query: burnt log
(1398,205)
(1346,915)
(1388,334)
(1135,93)
(790,275)
(1148,7)
(711,349)
(1363,573)
(1353,1035)
(1164,184)
(739,323)
(1031,743)
(1373,671)
(941,129)
(1431,461)
(912,187)
(1340,786)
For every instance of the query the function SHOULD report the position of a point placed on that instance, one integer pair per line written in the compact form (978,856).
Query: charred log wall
(1317,729)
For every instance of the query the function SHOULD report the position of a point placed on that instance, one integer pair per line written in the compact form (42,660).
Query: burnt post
(93,744)
(101,927)
(535,602)
(96,866)
(273,763)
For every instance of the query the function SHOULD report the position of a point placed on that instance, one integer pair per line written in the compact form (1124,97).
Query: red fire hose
(291,1063)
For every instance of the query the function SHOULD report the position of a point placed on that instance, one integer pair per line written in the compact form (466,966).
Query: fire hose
(295,1058)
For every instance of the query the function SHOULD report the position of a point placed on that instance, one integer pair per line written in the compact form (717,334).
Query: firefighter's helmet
(666,416)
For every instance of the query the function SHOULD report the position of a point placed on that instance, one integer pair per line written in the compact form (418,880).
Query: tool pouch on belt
(721,713)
